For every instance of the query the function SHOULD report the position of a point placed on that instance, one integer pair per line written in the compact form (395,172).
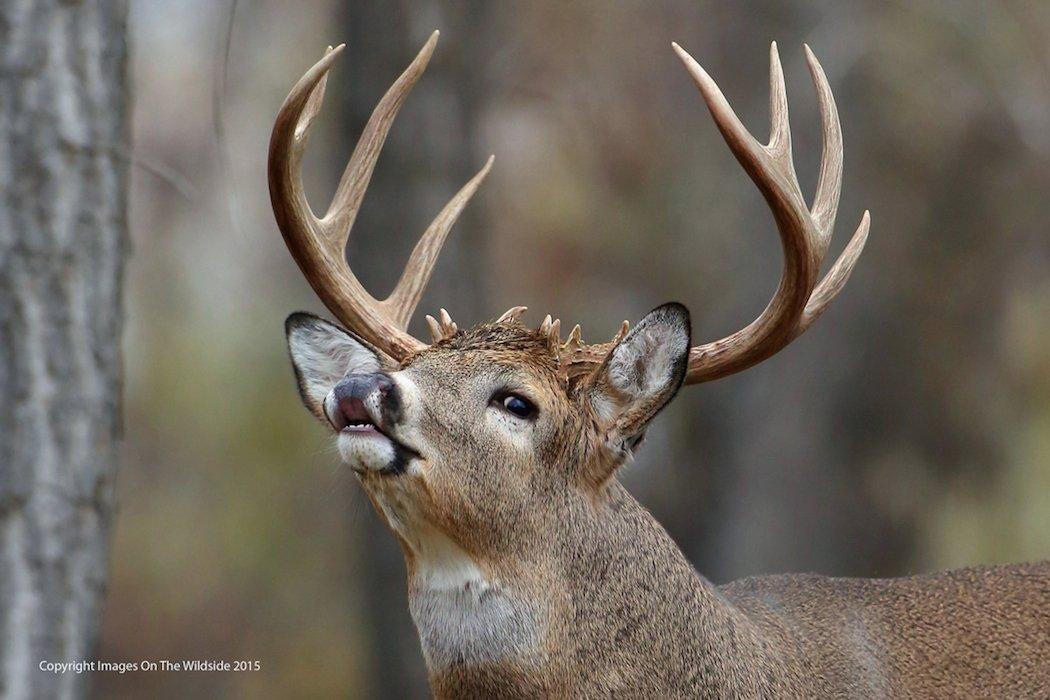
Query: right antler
(318,244)
(804,233)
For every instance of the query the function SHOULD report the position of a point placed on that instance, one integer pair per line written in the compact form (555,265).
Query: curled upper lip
(353,411)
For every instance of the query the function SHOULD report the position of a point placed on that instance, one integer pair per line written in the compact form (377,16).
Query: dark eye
(517,406)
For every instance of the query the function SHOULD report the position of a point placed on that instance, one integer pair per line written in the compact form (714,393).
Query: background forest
(908,431)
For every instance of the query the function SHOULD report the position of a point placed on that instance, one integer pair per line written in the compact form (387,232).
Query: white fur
(643,364)
(459,627)
(463,615)
(365,452)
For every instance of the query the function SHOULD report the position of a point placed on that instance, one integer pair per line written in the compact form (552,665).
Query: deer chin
(368,450)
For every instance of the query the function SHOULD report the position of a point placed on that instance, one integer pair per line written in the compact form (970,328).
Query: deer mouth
(359,434)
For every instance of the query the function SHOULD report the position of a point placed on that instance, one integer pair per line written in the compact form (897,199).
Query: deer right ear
(322,354)
(640,376)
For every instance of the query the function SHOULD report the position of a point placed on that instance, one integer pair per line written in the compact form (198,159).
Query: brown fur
(597,599)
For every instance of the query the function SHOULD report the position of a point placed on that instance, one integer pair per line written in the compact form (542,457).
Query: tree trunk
(63,183)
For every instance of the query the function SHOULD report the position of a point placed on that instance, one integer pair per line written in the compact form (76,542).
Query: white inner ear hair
(325,356)
(644,363)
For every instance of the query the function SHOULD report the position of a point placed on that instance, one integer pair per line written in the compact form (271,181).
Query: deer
(492,455)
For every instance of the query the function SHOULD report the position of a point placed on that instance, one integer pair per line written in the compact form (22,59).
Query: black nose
(355,400)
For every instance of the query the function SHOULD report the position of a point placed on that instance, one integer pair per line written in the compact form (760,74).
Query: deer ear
(322,354)
(641,375)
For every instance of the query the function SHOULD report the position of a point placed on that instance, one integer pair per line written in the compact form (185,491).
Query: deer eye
(516,405)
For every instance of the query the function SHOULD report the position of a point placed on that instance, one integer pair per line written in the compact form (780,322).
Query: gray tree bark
(63,184)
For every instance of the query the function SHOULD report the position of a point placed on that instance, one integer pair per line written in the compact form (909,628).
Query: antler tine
(829,183)
(403,301)
(804,233)
(352,185)
(512,314)
(307,238)
(319,255)
(740,140)
(771,170)
(780,127)
(291,131)
(436,334)
(837,276)
(779,146)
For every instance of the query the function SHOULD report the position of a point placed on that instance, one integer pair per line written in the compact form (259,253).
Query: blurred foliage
(909,430)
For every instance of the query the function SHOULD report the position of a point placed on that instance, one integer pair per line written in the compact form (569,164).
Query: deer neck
(615,601)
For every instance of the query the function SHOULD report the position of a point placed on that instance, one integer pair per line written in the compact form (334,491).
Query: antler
(319,244)
(804,233)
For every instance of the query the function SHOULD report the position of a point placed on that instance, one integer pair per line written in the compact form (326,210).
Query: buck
(492,454)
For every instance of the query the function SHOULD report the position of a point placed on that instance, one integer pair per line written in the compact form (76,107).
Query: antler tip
(707,86)
(774,55)
(512,314)
(815,69)
(434,327)
(428,48)
(862,230)
(317,75)
(329,50)
(330,54)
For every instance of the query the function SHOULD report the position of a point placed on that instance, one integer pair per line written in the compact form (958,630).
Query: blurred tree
(430,154)
(63,184)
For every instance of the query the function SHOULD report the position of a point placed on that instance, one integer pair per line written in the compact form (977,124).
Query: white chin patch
(366,450)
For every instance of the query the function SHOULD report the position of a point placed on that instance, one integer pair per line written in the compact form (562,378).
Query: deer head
(488,449)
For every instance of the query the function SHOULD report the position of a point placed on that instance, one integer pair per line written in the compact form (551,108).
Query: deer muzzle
(365,409)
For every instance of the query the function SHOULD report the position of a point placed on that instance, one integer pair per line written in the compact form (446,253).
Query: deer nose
(362,399)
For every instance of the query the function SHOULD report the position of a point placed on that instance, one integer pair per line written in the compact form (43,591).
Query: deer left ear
(641,375)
